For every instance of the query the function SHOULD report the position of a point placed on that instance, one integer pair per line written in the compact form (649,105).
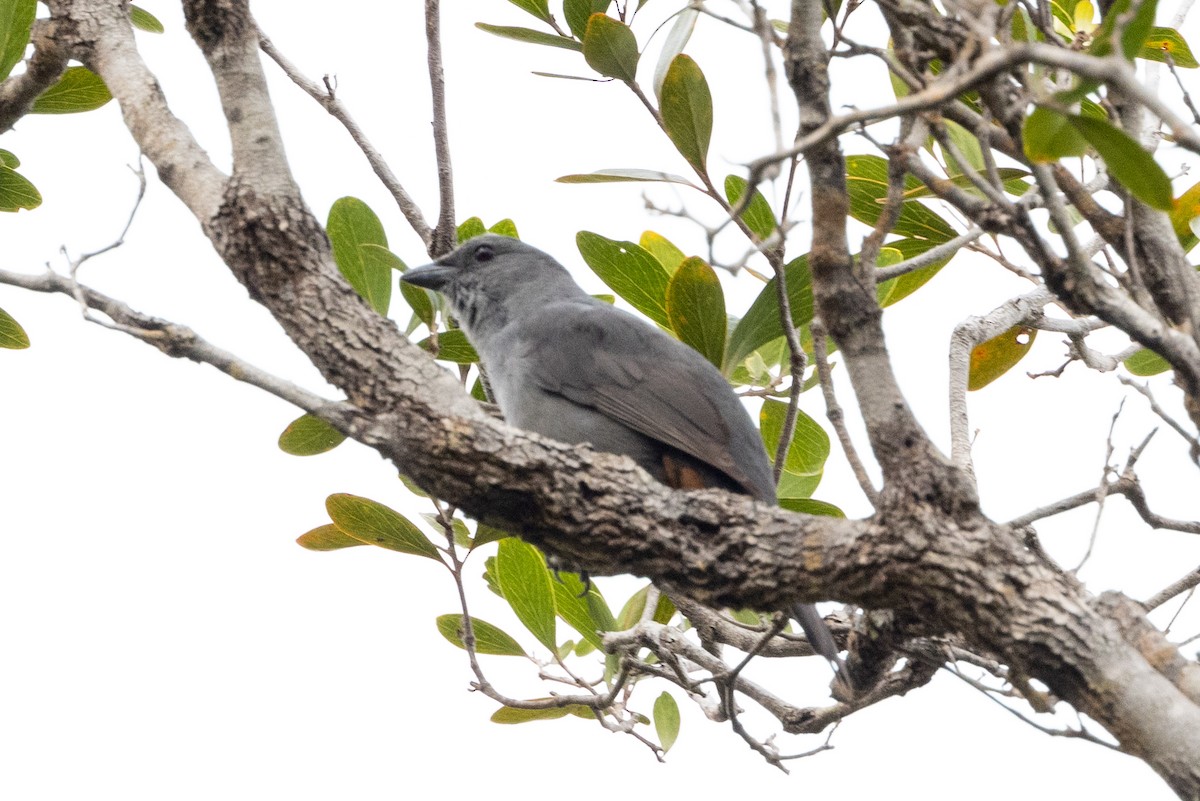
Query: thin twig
(444,232)
(835,414)
(326,95)
(182,342)
(1101,488)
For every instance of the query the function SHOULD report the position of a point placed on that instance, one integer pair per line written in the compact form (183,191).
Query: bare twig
(326,95)
(444,232)
(182,342)
(835,414)
(1188,437)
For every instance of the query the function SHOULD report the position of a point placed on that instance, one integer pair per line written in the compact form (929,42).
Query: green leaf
(453,346)
(810,507)
(677,39)
(419,300)
(505,227)
(867,184)
(623,176)
(1164,42)
(351,226)
(967,144)
(17,192)
(1187,208)
(79,89)
(587,613)
(525,582)
(686,109)
(308,435)
(994,358)
(485,534)
(9,159)
(761,323)
(327,538)
(538,8)
(469,229)
(12,335)
(696,309)
(577,13)
(666,720)
(630,271)
(806,455)
(531,36)
(1050,136)
(1146,363)
(381,256)
(1012,178)
(632,611)
(1137,30)
(412,486)
(375,524)
(489,639)
(16,21)
(610,48)
(758,215)
(1127,162)
(657,245)
(1090,108)
(897,289)
(508,714)
(143,20)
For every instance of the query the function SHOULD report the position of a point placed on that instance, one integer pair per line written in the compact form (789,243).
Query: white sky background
(161,635)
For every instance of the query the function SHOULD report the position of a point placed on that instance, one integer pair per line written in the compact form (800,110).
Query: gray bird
(568,366)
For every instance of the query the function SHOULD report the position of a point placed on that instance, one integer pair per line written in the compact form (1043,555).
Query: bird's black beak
(431,276)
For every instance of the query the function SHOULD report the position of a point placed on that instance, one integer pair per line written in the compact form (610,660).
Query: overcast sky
(161,635)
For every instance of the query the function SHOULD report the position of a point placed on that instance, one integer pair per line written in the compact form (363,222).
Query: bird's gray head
(491,279)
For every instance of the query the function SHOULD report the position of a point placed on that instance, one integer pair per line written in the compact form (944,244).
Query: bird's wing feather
(602,358)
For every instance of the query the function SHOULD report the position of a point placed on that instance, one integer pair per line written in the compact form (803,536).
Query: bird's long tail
(821,639)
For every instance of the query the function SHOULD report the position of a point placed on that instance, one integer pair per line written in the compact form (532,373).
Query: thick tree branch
(52,47)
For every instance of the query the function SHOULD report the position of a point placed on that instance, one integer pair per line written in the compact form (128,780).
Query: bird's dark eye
(484,253)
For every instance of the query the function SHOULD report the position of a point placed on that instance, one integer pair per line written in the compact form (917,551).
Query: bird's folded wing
(606,360)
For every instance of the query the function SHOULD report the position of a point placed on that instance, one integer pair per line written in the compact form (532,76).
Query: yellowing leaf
(995,357)
(610,48)
(1185,210)
(696,309)
(327,538)
(1164,42)
(686,109)
(669,256)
